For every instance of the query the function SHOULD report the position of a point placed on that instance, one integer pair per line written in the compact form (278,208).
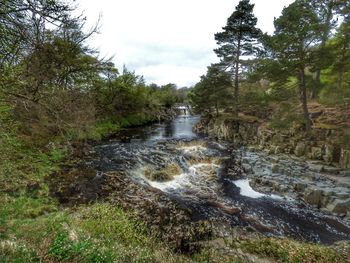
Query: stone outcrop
(297,179)
(248,130)
(344,160)
(163,175)
(315,169)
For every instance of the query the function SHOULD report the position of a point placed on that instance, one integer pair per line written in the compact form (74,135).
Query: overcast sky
(167,41)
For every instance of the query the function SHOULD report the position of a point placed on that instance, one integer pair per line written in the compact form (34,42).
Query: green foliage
(239,37)
(285,118)
(289,251)
(334,96)
(213,91)
(64,248)
(12,252)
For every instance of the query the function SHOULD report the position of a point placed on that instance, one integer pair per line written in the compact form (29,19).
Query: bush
(286,118)
(289,251)
(333,96)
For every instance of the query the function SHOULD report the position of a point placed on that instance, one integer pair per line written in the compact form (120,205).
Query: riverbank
(74,213)
(34,227)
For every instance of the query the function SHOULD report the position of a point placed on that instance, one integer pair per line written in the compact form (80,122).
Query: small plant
(61,247)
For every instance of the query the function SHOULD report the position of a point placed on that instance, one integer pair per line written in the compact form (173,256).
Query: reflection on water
(179,128)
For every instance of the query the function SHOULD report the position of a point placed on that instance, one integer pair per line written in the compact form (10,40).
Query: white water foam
(247,190)
(187,180)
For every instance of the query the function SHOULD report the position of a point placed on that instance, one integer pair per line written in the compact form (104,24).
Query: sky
(166,41)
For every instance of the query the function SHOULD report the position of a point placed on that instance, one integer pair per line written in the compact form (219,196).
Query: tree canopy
(238,39)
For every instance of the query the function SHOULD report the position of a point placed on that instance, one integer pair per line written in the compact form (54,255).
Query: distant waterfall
(183,109)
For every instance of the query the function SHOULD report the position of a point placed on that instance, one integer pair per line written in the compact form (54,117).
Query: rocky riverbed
(314,171)
(189,187)
(308,181)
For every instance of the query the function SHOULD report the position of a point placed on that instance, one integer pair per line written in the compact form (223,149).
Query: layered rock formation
(314,168)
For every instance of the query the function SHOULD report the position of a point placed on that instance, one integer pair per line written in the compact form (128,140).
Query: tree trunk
(236,94)
(236,87)
(303,98)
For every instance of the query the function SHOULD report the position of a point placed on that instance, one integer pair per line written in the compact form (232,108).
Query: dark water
(202,186)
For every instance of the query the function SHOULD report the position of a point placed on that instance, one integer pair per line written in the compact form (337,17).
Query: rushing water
(198,182)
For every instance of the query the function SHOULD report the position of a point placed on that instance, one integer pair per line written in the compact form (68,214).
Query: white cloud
(167,41)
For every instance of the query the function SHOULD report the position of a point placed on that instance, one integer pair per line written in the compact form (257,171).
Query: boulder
(344,173)
(341,206)
(314,167)
(278,150)
(316,153)
(344,159)
(331,170)
(314,197)
(299,187)
(329,152)
(165,174)
(300,149)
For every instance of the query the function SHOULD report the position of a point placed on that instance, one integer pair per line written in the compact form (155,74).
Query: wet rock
(275,168)
(300,149)
(331,170)
(227,209)
(341,206)
(316,153)
(329,152)
(344,173)
(247,168)
(314,197)
(278,149)
(345,159)
(300,187)
(125,138)
(163,175)
(231,169)
(314,167)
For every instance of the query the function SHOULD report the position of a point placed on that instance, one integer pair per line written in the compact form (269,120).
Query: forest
(306,59)
(59,99)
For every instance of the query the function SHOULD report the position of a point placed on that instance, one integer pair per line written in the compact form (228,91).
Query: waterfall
(183,109)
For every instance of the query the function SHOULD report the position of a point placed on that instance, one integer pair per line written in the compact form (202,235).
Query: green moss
(289,251)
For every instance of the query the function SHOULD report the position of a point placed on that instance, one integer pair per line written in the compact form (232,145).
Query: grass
(288,251)
(107,127)
(33,228)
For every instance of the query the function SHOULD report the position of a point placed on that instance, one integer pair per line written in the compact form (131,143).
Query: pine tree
(296,33)
(238,39)
(213,90)
(328,14)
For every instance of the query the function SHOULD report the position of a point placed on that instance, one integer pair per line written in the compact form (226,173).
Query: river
(204,178)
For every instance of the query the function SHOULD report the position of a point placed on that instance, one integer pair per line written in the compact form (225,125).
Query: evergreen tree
(296,32)
(328,13)
(213,90)
(239,38)
(341,50)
